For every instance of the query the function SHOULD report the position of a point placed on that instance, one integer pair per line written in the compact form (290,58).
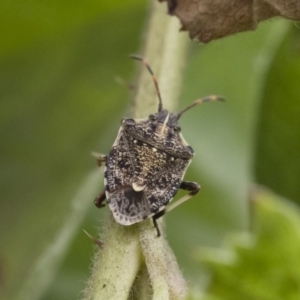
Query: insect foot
(146,164)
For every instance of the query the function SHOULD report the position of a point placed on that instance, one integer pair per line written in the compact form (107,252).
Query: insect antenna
(153,78)
(200,101)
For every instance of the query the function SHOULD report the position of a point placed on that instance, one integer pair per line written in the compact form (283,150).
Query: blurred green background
(59,101)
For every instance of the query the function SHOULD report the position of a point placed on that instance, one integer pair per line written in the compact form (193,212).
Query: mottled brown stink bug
(146,165)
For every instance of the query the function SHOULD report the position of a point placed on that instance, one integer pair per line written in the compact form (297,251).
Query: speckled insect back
(146,165)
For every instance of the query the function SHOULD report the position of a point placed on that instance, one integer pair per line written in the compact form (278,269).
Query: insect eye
(177,128)
(152,117)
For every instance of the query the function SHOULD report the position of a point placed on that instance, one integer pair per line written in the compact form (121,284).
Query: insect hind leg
(100,199)
(193,187)
(154,218)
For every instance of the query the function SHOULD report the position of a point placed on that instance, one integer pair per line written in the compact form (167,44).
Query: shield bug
(146,165)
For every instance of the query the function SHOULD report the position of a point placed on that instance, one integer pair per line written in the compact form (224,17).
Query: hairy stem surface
(134,261)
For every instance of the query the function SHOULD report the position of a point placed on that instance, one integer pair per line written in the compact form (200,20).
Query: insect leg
(100,199)
(193,187)
(154,218)
(101,158)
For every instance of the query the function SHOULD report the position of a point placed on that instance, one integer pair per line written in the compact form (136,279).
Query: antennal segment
(153,78)
(200,101)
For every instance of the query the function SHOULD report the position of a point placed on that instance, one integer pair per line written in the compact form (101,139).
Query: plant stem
(116,265)
(165,50)
(133,250)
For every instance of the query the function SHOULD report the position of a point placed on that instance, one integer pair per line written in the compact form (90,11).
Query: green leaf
(277,163)
(264,265)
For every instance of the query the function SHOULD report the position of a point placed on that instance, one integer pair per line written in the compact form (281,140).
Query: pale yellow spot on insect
(135,141)
(163,127)
(165,122)
(172,158)
(154,149)
(137,187)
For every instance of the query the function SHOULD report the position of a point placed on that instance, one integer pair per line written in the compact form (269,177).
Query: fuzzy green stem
(116,265)
(165,49)
(134,259)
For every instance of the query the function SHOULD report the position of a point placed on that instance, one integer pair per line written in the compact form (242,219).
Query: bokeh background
(59,102)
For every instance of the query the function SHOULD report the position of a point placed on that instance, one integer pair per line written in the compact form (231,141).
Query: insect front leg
(100,199)
(192,187)
(154,218)
(101,158)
